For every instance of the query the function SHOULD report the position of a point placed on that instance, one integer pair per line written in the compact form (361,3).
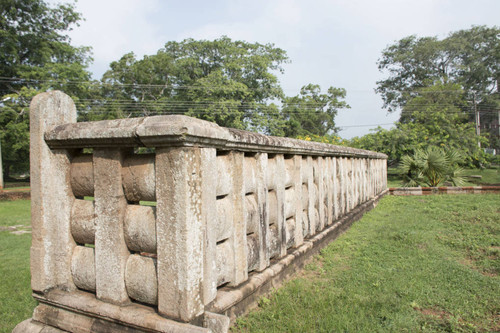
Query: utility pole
(1,170)
(478,121)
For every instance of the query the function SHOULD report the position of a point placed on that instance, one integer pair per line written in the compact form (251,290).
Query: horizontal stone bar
(274,242)
(138,175)
(305,197)
(224,219)
(253,251)
(224,179)
(272,204)
(289,232)
(289,202)
(141,279)
(289,172)
(83,221)
(181,130)
(271,173)
(249,171)
(224,262)
(140,228)
(83,268)
(251,213)
(305,223)
(82,175)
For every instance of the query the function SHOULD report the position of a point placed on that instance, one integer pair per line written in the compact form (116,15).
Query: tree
(470,58)
(311,112)
(433,117)
(35,56)
(229,82)
(432,166)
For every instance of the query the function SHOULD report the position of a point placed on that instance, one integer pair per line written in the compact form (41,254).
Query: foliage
(312,113)
(330,139)
(35,55)
(225,81)
(412,264)
(469,58)
(432,166)
(433,117)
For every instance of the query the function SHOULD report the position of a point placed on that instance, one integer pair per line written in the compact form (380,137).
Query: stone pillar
(329,190)
(262,194)
(297,187)
(180,232)
(51,195)
(111,252)
(311,196)
(238,237)
(280,198)
(209,221)
(320,196)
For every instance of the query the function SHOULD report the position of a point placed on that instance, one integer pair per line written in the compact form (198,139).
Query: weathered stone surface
(83,221)
(224,263)
(88,314)
(111,252)
(180,233)
(209,221)
(174,130)
(216,323)
(83,268)
(82,175)
(253,251)
(140,228)
(51,195)
(298,236)
(141,279)
(224,219)
(250,174)
(251,214)
(224,179)
(238,238)
(138,174)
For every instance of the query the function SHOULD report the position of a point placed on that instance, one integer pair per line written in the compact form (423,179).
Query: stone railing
(175,238)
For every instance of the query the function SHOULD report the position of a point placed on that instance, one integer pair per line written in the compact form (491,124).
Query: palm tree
(432,166)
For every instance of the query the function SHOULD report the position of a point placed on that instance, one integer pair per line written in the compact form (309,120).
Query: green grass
(16,303)
(488,177)
(413,264)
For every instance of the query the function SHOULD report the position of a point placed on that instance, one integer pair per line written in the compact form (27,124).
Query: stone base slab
(81,312)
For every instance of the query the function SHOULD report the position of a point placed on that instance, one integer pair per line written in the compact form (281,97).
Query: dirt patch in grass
(17,229)
(14,195)
(441,314)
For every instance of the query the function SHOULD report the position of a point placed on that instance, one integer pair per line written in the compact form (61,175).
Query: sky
(329,42)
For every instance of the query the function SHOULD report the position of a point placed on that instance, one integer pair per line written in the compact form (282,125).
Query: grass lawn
(16,303)
(413,264)
(488,177)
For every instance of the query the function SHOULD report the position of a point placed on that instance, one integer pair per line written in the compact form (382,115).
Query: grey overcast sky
(330,42)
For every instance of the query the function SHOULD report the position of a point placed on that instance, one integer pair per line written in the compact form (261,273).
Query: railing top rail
(179,130)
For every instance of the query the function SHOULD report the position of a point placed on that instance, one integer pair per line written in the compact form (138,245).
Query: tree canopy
(433,117)
(35,55)
(470,58)
(229,82)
